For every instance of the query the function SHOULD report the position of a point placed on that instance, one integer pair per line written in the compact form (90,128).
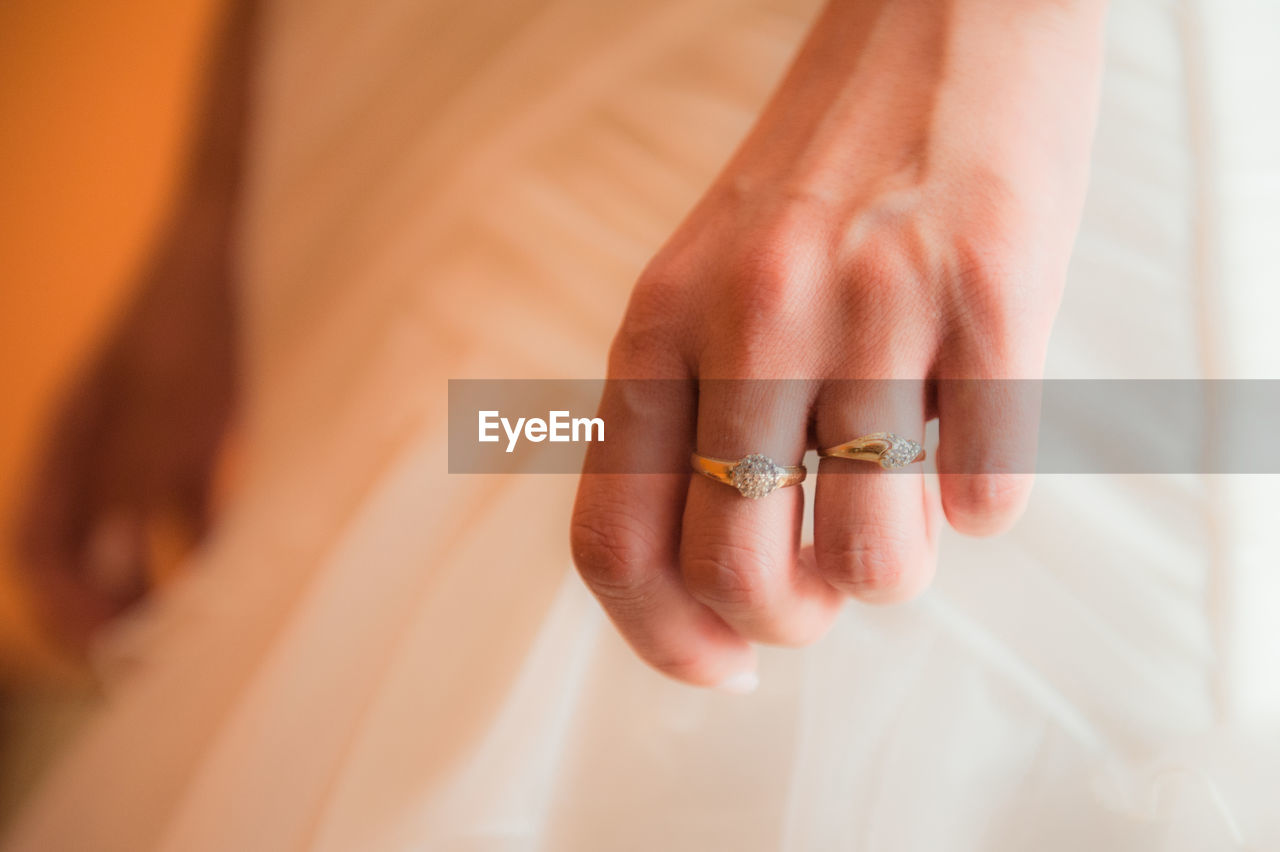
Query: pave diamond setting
(756,475)
(900,452)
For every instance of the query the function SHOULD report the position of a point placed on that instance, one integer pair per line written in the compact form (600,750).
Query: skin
(136,443)
(904,208)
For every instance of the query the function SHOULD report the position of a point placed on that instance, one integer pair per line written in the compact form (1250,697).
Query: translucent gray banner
(985,426)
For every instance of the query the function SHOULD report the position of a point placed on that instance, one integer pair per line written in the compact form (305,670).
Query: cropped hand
(903,209)
(134,446)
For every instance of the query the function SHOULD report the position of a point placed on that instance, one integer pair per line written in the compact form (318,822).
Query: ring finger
(741,556)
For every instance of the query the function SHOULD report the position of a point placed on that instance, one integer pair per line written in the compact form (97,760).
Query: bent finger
(874,534)
(740,556)
(626,532)
(986,451)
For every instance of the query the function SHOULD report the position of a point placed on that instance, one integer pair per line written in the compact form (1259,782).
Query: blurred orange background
(97,101)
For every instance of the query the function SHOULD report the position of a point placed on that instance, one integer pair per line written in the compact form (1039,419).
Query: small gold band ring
(884,448)
(754,476)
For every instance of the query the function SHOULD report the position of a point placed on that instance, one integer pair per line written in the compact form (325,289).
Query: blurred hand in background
(129,461)
(124,480)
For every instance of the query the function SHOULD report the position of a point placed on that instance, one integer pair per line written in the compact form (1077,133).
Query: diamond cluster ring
(754,476)
(888,450)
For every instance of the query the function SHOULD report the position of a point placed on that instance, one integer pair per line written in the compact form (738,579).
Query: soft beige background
(95,102)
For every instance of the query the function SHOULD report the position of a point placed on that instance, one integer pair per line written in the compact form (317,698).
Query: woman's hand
(134,448)
(903,209)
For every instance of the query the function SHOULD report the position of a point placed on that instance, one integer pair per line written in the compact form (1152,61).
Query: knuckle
(765,330)
(651,327)
(874,273)
(639,343)
(611,554)
(984,258)
(771,279)
(888,318)
(866,561)
(985,286)
(999,312)
(985,502)
(731,578)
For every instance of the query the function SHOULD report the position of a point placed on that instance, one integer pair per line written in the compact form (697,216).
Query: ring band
(888,450)
(754,476)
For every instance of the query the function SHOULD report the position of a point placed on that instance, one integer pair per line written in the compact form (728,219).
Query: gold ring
(885,448)
(754,476)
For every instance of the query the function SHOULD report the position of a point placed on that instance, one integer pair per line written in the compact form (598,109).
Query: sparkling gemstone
(755,476)
(901,452)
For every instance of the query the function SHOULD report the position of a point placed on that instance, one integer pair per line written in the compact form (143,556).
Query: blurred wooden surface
(96,102)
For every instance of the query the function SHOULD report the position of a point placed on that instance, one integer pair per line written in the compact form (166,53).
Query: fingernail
(740,684)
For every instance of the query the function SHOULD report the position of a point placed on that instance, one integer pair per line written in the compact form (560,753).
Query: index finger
(626,536)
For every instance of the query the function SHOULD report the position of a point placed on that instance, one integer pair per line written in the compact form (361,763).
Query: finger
(51,537)
(874,529)
(740,555)
(625,537)
(69,609)
(115,557)
(986,451)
